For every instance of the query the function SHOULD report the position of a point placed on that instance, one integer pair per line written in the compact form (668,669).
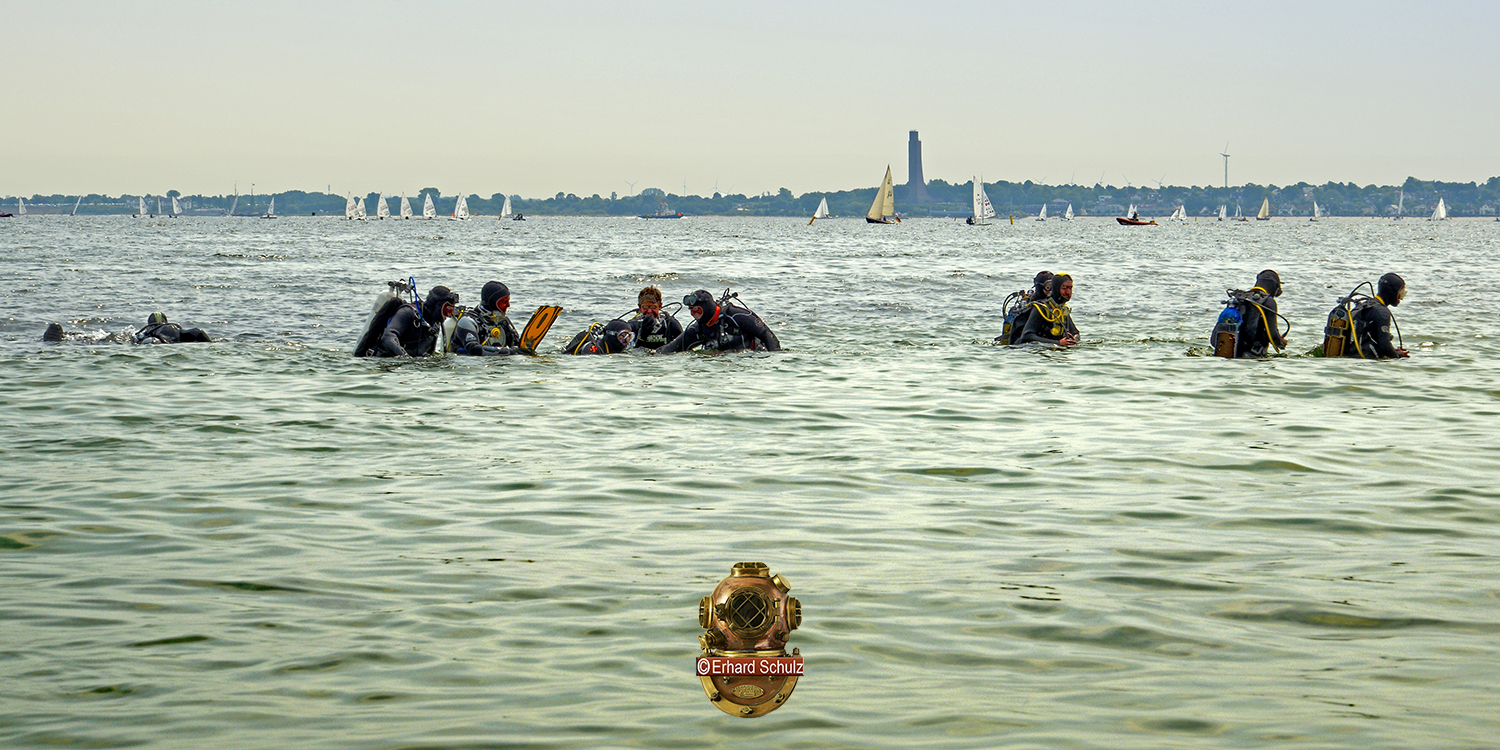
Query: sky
(537,98)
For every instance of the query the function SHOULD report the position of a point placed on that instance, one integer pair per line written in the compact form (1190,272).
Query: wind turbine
(1158,182)
(1226,164)
(632,186)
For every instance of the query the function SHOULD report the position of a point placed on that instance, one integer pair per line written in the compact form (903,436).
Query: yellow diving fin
(537,327)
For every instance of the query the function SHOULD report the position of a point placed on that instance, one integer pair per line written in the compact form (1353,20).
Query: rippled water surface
(265,542)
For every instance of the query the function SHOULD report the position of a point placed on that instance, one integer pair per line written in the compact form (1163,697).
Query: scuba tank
(579,344)
(1226,335)
(1010,310)
(737,341)
(1339,334)
(386,305)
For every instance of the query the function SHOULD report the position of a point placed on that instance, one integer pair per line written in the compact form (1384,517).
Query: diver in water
(721,327)
(611,338)
(1373,320)
(652,328)
(1017,309)
(413,331)
(1256,310)
(486,330)
(1050,320)
(159,331)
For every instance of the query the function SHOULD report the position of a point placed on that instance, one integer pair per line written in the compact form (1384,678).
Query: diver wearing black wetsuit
(159,331)
(721,327)
(1372,322)
(486,330)
(1040,288)
(652,328)
(414,333)
(1051,321)
(1258,326)
(615,337)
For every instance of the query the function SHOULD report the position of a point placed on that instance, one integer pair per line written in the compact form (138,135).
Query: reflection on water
(266,542)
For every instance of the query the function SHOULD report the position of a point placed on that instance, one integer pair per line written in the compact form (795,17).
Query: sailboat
(140,212)
(1068,215)
(177,207)
(1179,214)
(1222,209)
(405,208)
(158,204)
(1317,212)
(461,209)
(1441,212)
(382,209)
(883,210)
(1238,216)
(822,212)
(1043,215)
(232,206)
(505,209)
(349,208)
(271,210)
(982,207)
(1132,218)
(359,208)
(1400,205)
(1265,210)
(428,210)
(20,206)
(80,200)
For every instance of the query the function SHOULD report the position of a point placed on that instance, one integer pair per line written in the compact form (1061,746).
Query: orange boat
(1132,218)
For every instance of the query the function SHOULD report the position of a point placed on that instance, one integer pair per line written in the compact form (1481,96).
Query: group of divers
(404,324)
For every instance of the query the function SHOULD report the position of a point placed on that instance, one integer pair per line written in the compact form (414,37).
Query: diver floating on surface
(722,325)
(1016,308)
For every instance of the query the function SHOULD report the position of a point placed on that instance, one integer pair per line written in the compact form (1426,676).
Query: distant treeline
(1008,198)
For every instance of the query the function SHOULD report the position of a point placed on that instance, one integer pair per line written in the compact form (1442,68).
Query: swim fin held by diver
(537,327)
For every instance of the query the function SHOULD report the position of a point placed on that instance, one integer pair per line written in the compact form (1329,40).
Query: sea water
(266,542)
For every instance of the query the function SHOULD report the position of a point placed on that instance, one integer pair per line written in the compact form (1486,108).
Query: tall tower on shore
(915,184)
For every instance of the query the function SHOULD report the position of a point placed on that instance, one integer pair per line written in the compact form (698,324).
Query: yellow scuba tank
(1337,332)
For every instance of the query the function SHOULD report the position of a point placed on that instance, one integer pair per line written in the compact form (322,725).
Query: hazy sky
(586,97)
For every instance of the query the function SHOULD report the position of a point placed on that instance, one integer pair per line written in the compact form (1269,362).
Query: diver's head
(617,336)
(1392,289)
(439,304)
(648,302)
(1039,284)
(156,319)
(495,296)
(1062,288)
(1269,281)
(702,306)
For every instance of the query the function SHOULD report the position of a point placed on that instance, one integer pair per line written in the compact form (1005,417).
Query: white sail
(884,207)
(461,209)
(382,209)
(80,200)
(359,208)
(428,210)
(232,206)
(505,209)
(21,206)
(270,210)
(1069,213)
(1043,215)
(141,208)
(1179,213)
(982,207)
(1223,211)
(177,207)
(349,207)
(1132,214)
(1265,210)
(822,212)
(158,204)
(1400,203)
(1317,212)
(1441,212)
(1237,212)
(405,208)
